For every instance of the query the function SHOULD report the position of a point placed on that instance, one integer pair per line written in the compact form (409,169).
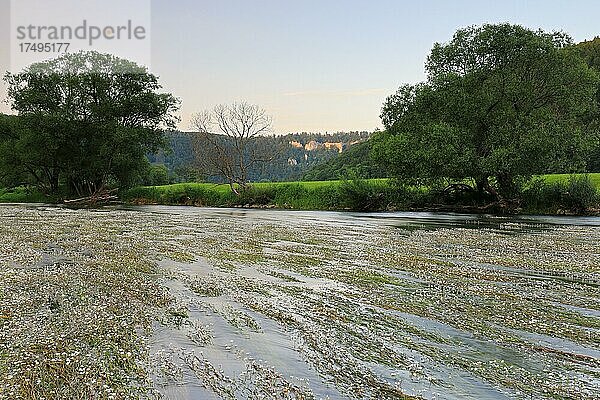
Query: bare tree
(228,142)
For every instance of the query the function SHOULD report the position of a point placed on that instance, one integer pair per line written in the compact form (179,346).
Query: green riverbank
(548,194)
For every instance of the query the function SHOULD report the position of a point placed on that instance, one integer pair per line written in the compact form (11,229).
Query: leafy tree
(156,175)
(10,130)
(594,158)
(590,52)
(88,119)
(501,102)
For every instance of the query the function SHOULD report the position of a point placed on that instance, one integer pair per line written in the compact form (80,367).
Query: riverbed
(200,303)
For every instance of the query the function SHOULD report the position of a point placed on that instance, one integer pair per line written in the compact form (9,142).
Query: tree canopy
(589,50)
(500,102)
(85,120)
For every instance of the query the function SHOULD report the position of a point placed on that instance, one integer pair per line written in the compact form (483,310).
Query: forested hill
(297,154)
(356,162)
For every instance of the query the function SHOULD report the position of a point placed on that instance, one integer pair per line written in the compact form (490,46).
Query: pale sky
(321,65)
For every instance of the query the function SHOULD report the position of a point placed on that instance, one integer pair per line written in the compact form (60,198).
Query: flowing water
(327,305)
(374,305)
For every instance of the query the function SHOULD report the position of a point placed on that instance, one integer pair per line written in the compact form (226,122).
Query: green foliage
(580,193)
(283,195)
(440,154)
(544,194)
(201,194)
(354,161)
(10,128)
(355,194)
(594,158)
(359,194)
(24,195)
(86,120)
(589,50)
(256,196)
(156,175)
(500,102)
(290,164)
(575,193)
(551,178)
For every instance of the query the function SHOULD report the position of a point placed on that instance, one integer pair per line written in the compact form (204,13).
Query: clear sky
(322,65)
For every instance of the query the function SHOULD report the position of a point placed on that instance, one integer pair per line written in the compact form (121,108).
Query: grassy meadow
(563,178)
(547,194)
(317,195)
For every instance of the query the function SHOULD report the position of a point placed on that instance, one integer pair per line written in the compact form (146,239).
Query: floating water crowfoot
(75,315)
(356,307)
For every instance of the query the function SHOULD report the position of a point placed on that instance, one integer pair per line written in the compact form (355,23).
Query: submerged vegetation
(250,304)
(74,305)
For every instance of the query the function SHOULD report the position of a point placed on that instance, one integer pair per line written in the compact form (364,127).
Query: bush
(577,194)
(24,194)
(324,198)
(255,196)
(358,194)
(541,196)
(580,193)
(156,175)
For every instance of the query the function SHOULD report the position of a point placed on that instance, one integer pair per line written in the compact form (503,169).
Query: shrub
(23,194)
(358,194)
(156,175)
(255,196)
(577,194)
(292,195)
(542,196)
(580,193)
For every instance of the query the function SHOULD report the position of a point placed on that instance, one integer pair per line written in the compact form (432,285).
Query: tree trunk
(53,180)
(505,183)
(483,186)
(233,189)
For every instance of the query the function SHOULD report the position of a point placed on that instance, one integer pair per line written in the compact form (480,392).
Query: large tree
(86,120)
(10,131)
(589,50)
(229,142)
(500,102)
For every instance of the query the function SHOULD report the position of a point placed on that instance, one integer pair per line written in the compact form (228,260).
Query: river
(286,304)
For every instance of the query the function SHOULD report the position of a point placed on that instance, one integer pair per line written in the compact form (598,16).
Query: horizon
(318,68)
